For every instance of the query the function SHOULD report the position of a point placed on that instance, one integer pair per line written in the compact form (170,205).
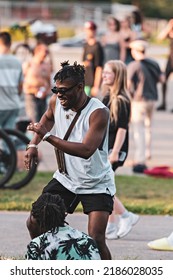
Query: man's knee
(99,238)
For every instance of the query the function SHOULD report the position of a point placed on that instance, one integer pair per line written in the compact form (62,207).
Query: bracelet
(46,136)
(31,146)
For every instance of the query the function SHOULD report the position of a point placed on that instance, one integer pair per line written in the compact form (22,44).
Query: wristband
(31,146)
(46,136)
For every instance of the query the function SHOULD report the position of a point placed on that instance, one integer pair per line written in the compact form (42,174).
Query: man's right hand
(31,155)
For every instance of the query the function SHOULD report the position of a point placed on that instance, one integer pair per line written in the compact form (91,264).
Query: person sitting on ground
(162,244)
(52,237)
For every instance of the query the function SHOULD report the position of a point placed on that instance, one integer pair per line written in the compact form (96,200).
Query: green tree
(154,8)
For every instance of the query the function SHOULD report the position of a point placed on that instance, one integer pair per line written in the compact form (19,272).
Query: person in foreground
(162,244)
(117,100)
(52,237)
(86,176)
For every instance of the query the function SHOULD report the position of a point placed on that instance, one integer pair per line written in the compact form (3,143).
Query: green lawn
(140,194)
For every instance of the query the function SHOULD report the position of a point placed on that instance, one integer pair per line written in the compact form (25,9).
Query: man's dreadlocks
(73,72)
(49,211)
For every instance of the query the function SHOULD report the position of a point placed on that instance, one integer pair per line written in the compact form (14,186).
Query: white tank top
(85,176)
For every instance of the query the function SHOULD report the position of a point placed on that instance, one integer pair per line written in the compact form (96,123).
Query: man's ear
(81,86)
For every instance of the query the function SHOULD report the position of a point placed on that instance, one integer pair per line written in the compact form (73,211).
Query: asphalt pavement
(14,236)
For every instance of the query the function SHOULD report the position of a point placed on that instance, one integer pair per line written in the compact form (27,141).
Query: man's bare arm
(46,122)
(92,140)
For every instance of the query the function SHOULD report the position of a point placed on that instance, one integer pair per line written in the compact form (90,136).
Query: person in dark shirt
(117,100)
(143,75)
(93,59)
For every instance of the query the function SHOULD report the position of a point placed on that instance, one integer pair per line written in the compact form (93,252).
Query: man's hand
(37,128)
(31,155)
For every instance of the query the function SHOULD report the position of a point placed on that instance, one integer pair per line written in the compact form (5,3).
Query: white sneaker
(125,224)
(111,231)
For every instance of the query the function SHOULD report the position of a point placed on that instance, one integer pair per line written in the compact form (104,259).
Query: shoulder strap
(75,119)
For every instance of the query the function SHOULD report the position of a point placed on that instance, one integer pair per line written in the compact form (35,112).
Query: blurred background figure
(37,82)
(23,52)
(10,83)
(143,76)
(112,41)
(93,59)
(137,24)
(128,36)
(117,100)
(167,32)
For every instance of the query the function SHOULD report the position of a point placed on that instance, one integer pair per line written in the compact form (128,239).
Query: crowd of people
(90,109)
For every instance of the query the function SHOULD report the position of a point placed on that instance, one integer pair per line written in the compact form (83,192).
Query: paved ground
(14,236)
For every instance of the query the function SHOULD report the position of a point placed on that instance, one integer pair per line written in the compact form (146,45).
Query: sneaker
(139,168)
(125,224)
(162,107)
(161,244)
(111,231)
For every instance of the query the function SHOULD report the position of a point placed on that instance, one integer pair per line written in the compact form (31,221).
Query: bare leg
(148,124)
(163,104)
(96,229)
(118,209)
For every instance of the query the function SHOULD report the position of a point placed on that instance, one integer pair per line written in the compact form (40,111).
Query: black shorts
(90,202)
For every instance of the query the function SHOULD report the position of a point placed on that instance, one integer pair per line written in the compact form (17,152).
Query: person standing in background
(93,59)
(37,82)
(167,32)
(11,82)
(112,42)
(128,35)
(143,74)
(117,100)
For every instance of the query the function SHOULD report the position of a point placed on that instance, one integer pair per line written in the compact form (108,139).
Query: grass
(140,194)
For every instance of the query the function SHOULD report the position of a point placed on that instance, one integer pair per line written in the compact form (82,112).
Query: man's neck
(81,104)
(91,41)
(4,50)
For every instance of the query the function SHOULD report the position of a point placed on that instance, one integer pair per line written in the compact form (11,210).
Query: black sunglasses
(62,90)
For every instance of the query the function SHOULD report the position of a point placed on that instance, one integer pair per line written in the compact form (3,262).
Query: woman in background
(112,41)
(128,36)
(117,100)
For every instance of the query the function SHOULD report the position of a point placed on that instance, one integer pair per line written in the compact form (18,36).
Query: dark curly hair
(49,211)
(5,37)
(75,72)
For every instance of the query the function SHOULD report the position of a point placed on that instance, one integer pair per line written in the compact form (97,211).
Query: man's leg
(96,229)
(168,71)
(148,127)
(137,120)
(8,118)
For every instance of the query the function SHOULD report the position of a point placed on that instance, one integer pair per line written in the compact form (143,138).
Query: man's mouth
(63,101)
